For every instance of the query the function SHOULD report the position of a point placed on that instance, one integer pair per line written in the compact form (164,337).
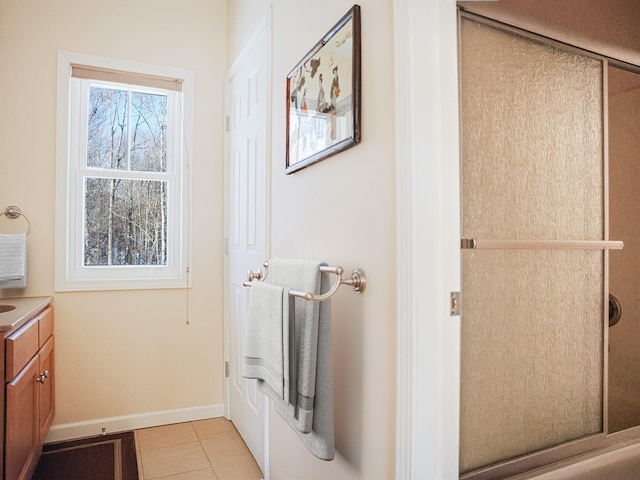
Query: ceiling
(608,27)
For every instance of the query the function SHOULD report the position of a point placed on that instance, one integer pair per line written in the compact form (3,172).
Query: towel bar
(358,281)
(472,243)
(14,212)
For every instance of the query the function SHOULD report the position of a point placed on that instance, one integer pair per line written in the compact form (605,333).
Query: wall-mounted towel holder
(358,281)
(14,212)
(499,244)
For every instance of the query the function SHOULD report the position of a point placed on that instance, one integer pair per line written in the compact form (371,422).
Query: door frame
(427,239)
(264,28)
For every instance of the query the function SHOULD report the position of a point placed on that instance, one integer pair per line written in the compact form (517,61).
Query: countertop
(26,307)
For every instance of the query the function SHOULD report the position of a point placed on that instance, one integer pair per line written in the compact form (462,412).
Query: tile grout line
(219,435)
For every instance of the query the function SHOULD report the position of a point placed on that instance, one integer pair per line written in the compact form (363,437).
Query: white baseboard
(88,428)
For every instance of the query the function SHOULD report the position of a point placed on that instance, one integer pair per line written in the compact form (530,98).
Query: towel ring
(14,212)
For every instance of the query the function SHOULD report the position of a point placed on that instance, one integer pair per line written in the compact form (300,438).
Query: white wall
(119,353)
(341,210)
(243,18)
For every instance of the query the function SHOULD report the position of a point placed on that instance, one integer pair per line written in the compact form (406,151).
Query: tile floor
(202,450)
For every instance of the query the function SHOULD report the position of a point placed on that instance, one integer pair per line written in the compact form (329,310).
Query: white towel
(264,349)
(309,410)
(13,260)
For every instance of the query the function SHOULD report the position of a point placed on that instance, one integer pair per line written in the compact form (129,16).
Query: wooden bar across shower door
(490,244)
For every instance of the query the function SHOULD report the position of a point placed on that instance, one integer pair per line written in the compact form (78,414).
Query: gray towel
(303,275)
(309,410)
(13,260)
(267,328)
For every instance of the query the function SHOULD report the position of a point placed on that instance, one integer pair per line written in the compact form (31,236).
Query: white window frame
(71,171)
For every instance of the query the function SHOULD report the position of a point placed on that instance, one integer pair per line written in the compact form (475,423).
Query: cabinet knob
(40,378)
(46,374)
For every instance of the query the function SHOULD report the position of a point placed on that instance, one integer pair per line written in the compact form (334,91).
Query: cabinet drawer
(45,325)
(20,347)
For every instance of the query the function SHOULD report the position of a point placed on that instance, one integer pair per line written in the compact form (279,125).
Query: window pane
(125,222)
(148,132)
(107,132)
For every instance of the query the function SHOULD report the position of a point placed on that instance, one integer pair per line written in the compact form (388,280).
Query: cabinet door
(22,428)
(47,388)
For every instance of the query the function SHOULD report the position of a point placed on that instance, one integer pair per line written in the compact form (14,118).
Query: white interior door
(246,237)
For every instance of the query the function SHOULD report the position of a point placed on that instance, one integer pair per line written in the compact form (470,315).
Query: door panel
(532,169)
(47,401)
(624,281)
(22,428)
(246,230)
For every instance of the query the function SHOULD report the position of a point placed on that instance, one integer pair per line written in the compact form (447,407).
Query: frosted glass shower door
(532,319)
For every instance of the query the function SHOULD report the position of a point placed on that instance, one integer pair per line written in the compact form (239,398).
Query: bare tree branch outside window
(126,218)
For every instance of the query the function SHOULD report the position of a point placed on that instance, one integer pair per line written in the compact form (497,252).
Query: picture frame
(324,95)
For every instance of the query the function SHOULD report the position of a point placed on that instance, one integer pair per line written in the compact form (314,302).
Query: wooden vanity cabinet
(29,394)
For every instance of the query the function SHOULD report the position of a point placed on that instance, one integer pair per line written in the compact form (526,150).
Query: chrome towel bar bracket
(358,281)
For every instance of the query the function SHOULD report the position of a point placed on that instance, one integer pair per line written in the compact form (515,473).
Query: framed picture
(323,96)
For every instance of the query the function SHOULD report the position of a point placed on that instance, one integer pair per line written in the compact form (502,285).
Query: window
(122,202)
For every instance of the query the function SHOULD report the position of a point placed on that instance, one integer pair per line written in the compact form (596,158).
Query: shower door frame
(592,443)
